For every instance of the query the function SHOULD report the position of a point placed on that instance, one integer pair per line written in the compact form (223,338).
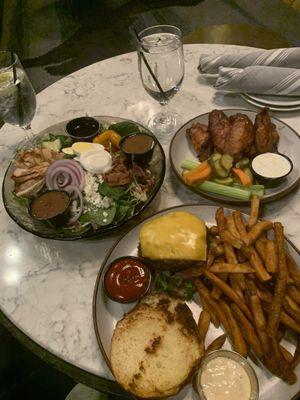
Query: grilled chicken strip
(266,135)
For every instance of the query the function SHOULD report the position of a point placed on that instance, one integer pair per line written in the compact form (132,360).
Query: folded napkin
(260,80)
(290,58)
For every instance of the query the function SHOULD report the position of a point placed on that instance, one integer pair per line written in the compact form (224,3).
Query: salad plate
(181,149)
(105,204)
(106,312)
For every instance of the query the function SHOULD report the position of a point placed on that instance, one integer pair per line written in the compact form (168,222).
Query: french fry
(258,267)
(286,354)
(261,250)
(231,226)
(258,315)
(238,281)
(289,307)
(206,306)
(216,292)
(263,293)
(254,211)
(256,231)
(284,319)
(294,293)
(239,223)
(225,235)
(213,316)
(247,331)
(216,344)
(237,339)
(210,257)
(222,267)
(271,261)
(213,305)
(293,304)
(293,269)
(280,283)
(289,322)
(228,292)
(203,323)
(286,371)
(296,358)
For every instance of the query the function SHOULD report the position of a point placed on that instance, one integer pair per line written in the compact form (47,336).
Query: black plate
(21,216)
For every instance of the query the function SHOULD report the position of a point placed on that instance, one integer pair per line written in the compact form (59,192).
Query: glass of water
(161,67)
(17,96)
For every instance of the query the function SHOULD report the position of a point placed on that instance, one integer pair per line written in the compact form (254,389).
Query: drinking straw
(148,66)
(20,109)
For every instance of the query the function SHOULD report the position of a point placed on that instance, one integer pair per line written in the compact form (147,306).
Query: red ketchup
(126,280)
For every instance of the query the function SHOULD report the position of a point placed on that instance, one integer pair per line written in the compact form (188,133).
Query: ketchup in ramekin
(126,279)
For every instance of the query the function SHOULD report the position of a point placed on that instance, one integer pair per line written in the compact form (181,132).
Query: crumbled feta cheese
(104,220)
(91,191)
(105,214)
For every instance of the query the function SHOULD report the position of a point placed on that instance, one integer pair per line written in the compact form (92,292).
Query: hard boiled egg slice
(80,148)
(96,161)
(68,150)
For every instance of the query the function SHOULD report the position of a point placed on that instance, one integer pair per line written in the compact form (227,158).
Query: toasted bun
(155,348)
(176,239)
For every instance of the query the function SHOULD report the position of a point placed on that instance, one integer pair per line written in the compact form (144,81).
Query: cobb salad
(76,186)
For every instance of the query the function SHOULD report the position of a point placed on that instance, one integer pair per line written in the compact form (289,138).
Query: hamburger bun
(155,348)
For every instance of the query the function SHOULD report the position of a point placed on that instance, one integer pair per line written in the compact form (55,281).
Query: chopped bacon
(121,174)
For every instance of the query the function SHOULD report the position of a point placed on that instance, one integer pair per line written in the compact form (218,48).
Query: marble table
(46,287)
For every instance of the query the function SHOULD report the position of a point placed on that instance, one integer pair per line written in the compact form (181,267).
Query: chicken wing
(241,136)
(233,136)
(219,127)
(266,135)
(200,138)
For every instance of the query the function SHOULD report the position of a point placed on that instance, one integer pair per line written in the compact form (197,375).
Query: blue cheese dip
(271,165)
(225,379)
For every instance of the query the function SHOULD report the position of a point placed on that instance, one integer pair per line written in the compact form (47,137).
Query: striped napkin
(290,58)
(260,80)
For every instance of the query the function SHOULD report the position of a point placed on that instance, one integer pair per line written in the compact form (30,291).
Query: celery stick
(189,164)
(229,191)
(256,187)
(259,193)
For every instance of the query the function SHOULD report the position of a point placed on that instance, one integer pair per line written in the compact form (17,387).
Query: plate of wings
(239,133)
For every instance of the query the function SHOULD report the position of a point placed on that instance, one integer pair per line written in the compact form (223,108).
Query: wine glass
(17,96)
(161,67)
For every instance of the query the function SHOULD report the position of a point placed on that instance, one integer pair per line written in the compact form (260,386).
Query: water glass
(161,68)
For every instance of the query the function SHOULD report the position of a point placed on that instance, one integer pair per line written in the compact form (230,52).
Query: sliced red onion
(62,173)
(75,190)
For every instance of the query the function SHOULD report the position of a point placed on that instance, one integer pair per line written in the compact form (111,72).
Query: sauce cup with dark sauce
(126,279)
(82,129)
(52,207)
(138,147)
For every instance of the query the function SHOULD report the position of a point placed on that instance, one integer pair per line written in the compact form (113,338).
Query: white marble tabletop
(46,287)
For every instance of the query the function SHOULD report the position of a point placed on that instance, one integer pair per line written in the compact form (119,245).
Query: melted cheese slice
(174,236)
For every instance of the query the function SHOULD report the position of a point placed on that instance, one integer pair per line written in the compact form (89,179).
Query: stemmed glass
(161,67)
(17,96)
